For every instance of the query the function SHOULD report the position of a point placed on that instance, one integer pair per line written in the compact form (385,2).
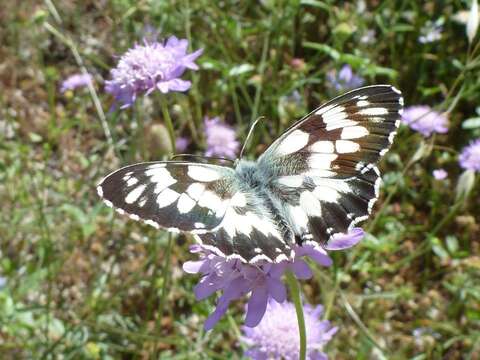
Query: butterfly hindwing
(206,200)
(323,168)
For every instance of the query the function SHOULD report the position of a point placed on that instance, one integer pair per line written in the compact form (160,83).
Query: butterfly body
(318,179)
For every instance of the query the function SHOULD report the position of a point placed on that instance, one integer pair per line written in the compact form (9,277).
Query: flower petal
(345,241)
(192,267)
(256,306)
(301,269)
(276,289)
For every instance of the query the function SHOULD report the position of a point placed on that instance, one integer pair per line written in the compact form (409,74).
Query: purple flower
(431,32)
(425,120)
(181,144)
(262,280)
(345,79)
(470,156)
(440,174)
(221,139)
(75,81)
(149,67)
(276,336)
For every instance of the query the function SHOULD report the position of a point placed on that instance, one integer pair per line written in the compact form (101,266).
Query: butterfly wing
(322,169)
(206,200)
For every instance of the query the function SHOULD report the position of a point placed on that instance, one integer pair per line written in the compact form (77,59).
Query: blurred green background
(80,282)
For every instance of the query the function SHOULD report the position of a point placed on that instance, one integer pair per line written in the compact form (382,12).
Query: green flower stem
(295,293)
(168,121)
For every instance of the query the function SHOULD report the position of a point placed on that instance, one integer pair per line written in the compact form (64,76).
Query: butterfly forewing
(174,195)
(323,168)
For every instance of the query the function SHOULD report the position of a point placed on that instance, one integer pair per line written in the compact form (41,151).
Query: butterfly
(318,179)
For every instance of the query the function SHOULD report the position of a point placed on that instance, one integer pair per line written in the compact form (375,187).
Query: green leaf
(471,123)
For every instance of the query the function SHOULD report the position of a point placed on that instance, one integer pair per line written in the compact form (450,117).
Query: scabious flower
(440,174)
(221,139)
(181,144)
(470,156)
(262,280)
(425,120)
(277,337)
(431,32)
(345,79)
(75,81)
(149,67)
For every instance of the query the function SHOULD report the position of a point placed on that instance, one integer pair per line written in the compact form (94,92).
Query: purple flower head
(221,139)
(470,156)
(425,120)
(431,32)
(149,67)
(440,174)
(181,144)
(345,79)
(262,280)
(276,336)
(75,81)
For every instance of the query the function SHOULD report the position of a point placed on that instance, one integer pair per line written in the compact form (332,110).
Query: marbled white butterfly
(317,179)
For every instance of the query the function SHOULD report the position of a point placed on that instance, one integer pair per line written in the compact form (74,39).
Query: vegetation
(78,281)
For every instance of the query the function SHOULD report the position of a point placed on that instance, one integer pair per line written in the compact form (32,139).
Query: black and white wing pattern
(322,170)
(206,200)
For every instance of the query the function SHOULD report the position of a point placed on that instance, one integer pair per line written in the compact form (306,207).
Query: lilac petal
(320,258)
(345,241)
(236,288)
(215,317)
(193,267)
(188,61)
(301,269)
(277,270)
(206,287)
(256,306)
(174,85)
(276,289)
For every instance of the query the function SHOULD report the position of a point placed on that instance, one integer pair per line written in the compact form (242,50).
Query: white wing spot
(340,124)
(210,200)
(346,146)
(391,136)
(167,197)
(401,101)
(322,147)
(394,89)
(199,225)
(325,109)
(195,190)
(152,223)
(185,204)
(142,201)
(375,111)
(362,103)
(132,181)
(134,217)
(99,191)
(290,181)
(203,173)
(354,132)
(321,161)
(325,193)
(135,194)
(310,204)
(238,200)
(293,142)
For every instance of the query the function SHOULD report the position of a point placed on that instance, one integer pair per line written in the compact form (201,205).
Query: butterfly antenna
(250,132)
(201,157)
